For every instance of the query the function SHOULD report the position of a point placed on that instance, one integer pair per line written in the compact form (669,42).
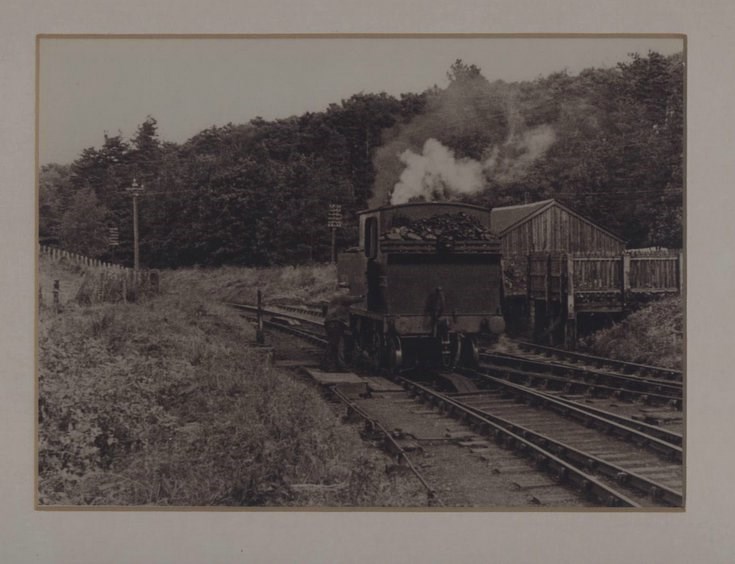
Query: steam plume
(511,161)
(436,174)
(417,160)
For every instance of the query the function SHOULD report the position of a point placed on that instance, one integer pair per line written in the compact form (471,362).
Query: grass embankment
(163,402)
(284,285)
(652,335)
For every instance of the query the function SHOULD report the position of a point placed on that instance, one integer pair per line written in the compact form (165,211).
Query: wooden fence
(654,273)
(81,260)
(553,275)
(560,286)
(101,281)
(596,274)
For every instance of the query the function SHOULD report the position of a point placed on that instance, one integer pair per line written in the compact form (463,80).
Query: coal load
(443,228)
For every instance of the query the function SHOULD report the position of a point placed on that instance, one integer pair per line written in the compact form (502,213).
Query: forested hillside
(608,142)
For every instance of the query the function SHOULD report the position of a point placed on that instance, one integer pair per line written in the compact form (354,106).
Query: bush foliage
(652,335)
(164,402)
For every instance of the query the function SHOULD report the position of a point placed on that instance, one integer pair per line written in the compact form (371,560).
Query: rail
(585,460)
(599,361)
(573,411)
(393,444)
(280,317)
(552,456)
(625,386)
(297,331)
(545,459)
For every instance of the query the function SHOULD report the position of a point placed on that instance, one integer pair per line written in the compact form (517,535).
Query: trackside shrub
(164,402)
(651,335)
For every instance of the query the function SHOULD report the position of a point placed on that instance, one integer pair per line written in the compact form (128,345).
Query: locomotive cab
(431,274)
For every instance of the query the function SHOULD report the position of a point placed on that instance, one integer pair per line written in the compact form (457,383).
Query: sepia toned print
(361,272)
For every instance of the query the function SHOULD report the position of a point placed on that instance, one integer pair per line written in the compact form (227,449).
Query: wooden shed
(549,226)
(559,265)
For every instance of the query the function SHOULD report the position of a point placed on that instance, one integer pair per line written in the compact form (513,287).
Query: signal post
(334,220)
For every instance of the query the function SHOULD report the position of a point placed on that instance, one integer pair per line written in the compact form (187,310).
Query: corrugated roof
(507,216)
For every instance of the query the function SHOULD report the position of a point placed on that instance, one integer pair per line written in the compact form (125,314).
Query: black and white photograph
(361,272)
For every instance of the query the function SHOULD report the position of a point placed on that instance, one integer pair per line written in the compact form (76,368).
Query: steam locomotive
(431,274)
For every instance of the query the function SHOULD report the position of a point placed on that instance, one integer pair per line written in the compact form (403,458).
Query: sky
(89,87)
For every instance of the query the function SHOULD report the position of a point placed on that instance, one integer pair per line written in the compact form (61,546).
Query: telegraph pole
(135,190)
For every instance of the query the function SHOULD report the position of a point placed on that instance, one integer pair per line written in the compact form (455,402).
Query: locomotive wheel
(394,354)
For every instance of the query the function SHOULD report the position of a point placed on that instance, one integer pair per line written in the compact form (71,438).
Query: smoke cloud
(510,161)
(437,174)
(475,112)
(421,159)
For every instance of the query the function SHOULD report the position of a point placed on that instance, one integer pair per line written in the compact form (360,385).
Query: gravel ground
(465,469)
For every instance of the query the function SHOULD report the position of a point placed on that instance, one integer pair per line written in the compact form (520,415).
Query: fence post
(547,280)
(681,272)
(570,325)
(101,287)
(259,335)
(626,278)
(155,280)
(56,296)
(570,287)
(529,301)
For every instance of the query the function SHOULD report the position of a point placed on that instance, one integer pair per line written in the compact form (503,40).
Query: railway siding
(609,459)
(601,362)
(604,456)
(572,411)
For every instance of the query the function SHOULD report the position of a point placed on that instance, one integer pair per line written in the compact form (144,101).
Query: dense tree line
(257,193)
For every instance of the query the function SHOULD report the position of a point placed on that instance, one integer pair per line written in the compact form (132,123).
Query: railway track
(390,442)
(639,457)
(465,467)
(306,327)
(609,476)
(661,440)
(276,319)
(580,374)
(609,364)
(603,365)
(575,379)
(611,459)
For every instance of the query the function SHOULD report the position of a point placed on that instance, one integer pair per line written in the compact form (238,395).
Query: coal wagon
(431,274)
